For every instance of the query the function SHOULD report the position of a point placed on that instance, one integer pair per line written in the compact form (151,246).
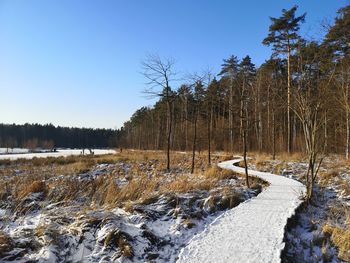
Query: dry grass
(230,198)
(329,176)
(332,177)
(33,187)
(338,161)
(136,189)
(184,183)
(345,188)
(146,178)
(226,157)
(47,234)
(111,193)
(5,162)
(291,157)
(341,239)
(119,239)
(217,173)
(5,243)
(260,157)
(283,156)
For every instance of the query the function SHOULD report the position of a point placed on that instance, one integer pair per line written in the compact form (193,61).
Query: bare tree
(198,83)
(343,84)
(309,110)
(311,97)
(159,73)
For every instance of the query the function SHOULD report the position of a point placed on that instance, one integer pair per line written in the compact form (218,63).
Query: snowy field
(111,209)
(23,153)
(128,208)
(13,150)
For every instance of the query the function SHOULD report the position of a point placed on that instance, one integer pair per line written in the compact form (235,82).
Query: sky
(78,62)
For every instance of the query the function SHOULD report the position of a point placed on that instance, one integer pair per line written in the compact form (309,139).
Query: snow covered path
(254,230)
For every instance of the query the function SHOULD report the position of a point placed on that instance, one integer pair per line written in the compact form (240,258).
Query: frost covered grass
(107,208)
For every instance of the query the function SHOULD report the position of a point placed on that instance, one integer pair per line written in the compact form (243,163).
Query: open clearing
(58,153)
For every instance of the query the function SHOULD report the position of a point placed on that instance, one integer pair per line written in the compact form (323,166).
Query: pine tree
(338,36)
(229,69)
(283,36)
(246,74)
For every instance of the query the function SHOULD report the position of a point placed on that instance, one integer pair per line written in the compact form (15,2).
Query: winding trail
(252,231)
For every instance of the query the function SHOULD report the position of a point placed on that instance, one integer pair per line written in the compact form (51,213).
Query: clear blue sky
(77,62)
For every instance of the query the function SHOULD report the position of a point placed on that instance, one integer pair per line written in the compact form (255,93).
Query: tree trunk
(169,133)
(186,125)
(194,142)
(289,137)
(245,158)
(268,129)
(231,115)
(325,133)
(347,124)
(273,136)
(241,122)
(209,123)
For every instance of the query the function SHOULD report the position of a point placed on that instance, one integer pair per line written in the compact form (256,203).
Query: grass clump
(6,243)
(33,187)
(341,239)
(184,183)
(119,239)
(48,234)
(328,176)
(216,172)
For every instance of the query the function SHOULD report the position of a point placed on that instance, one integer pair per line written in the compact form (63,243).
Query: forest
(48,136)
(302,90)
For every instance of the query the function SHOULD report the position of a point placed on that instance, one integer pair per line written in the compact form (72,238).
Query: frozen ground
(59,153)
(254,230)
(69,221)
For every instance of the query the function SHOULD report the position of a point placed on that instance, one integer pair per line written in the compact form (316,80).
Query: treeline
(48,136)
(302,89)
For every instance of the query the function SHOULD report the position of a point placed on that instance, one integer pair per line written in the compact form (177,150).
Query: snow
(13,150)
(2,212)
(49,230)
(59,153)
(254,230)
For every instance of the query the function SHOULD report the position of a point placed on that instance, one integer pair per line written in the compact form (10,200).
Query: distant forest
(48,136)
(297,100)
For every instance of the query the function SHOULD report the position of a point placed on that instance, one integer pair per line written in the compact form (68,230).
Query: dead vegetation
(340,238)
(217,173)
(33,187)
(5,243)
(328,176)
(134,176)
(91,188)
(117,238)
